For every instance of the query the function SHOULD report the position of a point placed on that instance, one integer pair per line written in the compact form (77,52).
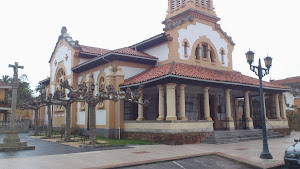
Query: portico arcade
(227,107)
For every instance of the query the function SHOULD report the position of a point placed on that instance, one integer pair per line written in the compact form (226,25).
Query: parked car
(292,155)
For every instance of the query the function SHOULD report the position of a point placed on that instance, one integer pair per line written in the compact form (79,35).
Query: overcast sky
(29,30)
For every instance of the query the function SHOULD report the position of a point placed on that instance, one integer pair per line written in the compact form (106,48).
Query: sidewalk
(248,152)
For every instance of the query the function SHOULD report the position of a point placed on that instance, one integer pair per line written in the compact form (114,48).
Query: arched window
(212,56)
(101,85)
(60,77)
(183,2)
(197,1)
(202,2)
(173,4)
(204,51)
(222,56)
(178,3)
(82,104)
(197,52)
(185,48)
(208,3)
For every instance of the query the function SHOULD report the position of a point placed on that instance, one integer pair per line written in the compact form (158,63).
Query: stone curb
(230,157)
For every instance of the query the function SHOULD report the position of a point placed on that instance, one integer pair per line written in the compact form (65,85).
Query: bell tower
(194,35)
(176,7)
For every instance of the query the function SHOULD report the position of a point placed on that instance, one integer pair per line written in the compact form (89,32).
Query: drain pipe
(107,61)
(119,118)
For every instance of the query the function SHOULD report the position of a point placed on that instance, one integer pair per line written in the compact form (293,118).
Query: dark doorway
(255,112)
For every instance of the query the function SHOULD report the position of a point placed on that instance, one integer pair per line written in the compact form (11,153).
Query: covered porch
(225,100)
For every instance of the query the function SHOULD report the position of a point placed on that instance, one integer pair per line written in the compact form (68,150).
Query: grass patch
(117,142)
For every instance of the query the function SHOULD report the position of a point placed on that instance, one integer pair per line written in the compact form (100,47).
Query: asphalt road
(205,162)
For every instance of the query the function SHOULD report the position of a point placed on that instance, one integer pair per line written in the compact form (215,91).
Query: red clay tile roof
(101,52)
(4,84)
(130,51)
(126,50)
(198,72)
(149,74)
(93,50)
(291,80)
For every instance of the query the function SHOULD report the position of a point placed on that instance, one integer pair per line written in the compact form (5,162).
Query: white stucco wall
(52,89)
(161,52)
(100,117)
(80,115)
(96,74)
(194,32)
(289,100)
(106,70)
(131,71)
(61,56)
(82,61)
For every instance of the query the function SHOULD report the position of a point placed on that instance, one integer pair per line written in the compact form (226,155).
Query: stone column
(249,120)
(206,104)
(182,102)
(171,102)
(228,104)
(208,53)
(161,104)
(264,95)
(229,119)
(277,107)
(283,107)
(141,107)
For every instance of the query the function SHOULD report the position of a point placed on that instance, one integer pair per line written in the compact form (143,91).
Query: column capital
(246,92)
(182,86)
(205,89)
(227,90)
(160,86)
(141,90)
(276,95)
(171,85)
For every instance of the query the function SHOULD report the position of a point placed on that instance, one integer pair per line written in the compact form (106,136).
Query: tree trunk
(49,121)
(36,122)
(68,123)
(93,138)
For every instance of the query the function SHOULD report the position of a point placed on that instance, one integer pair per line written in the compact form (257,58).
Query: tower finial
(63,30)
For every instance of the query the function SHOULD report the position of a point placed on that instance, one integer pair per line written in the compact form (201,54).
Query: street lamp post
(261,72)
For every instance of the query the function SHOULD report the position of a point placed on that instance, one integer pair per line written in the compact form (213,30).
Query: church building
(185,72)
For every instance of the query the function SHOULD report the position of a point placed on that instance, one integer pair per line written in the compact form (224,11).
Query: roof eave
(202,80)
(75,69)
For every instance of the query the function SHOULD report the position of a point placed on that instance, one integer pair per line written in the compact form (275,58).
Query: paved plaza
(44,148)
(50,155)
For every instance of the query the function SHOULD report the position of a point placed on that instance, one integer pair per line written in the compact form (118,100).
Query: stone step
(236,140)
(223,137)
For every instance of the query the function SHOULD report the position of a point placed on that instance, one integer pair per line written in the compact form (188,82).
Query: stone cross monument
(15,85)
(11,139)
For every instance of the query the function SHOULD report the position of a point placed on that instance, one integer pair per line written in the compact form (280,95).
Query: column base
(183,118)
(140,119)
(160,119)
(229,118)
(249,124)
(278,118)
(171,118)
(230,125)
(208,118)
